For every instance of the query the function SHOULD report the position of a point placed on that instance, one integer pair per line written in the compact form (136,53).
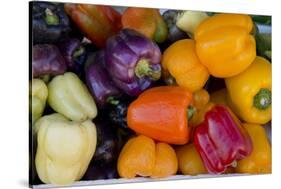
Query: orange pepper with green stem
(224,44)
(147,21)
(162,114)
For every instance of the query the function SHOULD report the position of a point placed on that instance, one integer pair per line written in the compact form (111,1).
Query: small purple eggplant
(133,61)
(74,54)
(47,60)
(98,81)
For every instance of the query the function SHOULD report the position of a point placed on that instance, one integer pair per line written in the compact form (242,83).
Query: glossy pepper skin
(162,114)
(221,140)
(65,148)
(224,44)
(141,156)
(146,21)
(133,61)
(49,22)
(47,60)
(181,66)
(259,161)
(70,97)
(99,82)
(97,22)
(249,93)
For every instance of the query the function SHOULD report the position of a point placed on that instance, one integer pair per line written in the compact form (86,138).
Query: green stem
(190,112)
(262,100)
(112,100)
(51,18)
(78,52)
(143,69)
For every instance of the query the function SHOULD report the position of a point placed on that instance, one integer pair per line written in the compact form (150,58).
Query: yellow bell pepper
(189,160)
(64,148)
(259,161)
(71,98)
(219,97)
(249,93)
(224,44)
(39,94)
(182,67)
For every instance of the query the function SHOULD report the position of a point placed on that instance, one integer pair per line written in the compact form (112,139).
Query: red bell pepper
(97,22)
(221,140)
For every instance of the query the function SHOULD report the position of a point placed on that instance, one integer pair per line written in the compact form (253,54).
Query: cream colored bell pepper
(65,148)
(39,94)
(71,98)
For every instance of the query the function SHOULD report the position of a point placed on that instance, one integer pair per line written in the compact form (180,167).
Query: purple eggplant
(133,61)
(98,81)
(74,54)
(47,60)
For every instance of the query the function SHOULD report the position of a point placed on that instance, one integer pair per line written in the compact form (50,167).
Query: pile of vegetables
(144,94)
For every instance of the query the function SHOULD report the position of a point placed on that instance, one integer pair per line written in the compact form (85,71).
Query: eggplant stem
(143,69)
(78,52)
(51,18)
(262,100)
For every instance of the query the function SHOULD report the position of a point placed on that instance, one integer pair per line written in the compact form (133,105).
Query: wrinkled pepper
(69,96)
(133,61)
(221,140)
(249,93)
(181,66)
(259,161)
(189,160)
(147,21)
(65,148)
(224,44)
(97,22)
(141,156)
(162,114)
(39,94)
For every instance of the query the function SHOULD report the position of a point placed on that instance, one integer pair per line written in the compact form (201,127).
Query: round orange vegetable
(189,160)
(200,99)
(224,44)
(143,157)
(182,66)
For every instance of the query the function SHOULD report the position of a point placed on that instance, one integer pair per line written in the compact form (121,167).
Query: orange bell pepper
(162,114)
(147,21)
(181,66)
(143,157)
(224,44)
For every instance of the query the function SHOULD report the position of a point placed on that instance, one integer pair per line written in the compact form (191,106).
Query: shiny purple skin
(47,60)
(97,79)
(122,53)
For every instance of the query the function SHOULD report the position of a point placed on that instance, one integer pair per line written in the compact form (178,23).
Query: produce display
(125,93)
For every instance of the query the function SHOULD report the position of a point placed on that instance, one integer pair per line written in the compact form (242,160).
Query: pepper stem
(112,100)
(143,69)
(51,18)
(190,112)
(262,99)
(78,52)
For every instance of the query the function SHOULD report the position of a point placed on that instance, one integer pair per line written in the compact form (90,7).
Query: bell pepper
(70,97)
(39,94)
(147,21)
(259,161)
(47,60)
(219,97)
(221,140)
(189,160)
(99,82)
(97,22)
(224,44)
(249,93)
(143,157)
(181,66)
(65,148)
(162,114)
(133,61)
(188,21)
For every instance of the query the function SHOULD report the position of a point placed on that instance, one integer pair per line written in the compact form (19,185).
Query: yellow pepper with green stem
(249,93)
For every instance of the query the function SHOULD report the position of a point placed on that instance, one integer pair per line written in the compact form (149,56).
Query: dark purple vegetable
(97,172)
(133,61)
(98,81)
(47,60)
(107,142)
(74,54)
